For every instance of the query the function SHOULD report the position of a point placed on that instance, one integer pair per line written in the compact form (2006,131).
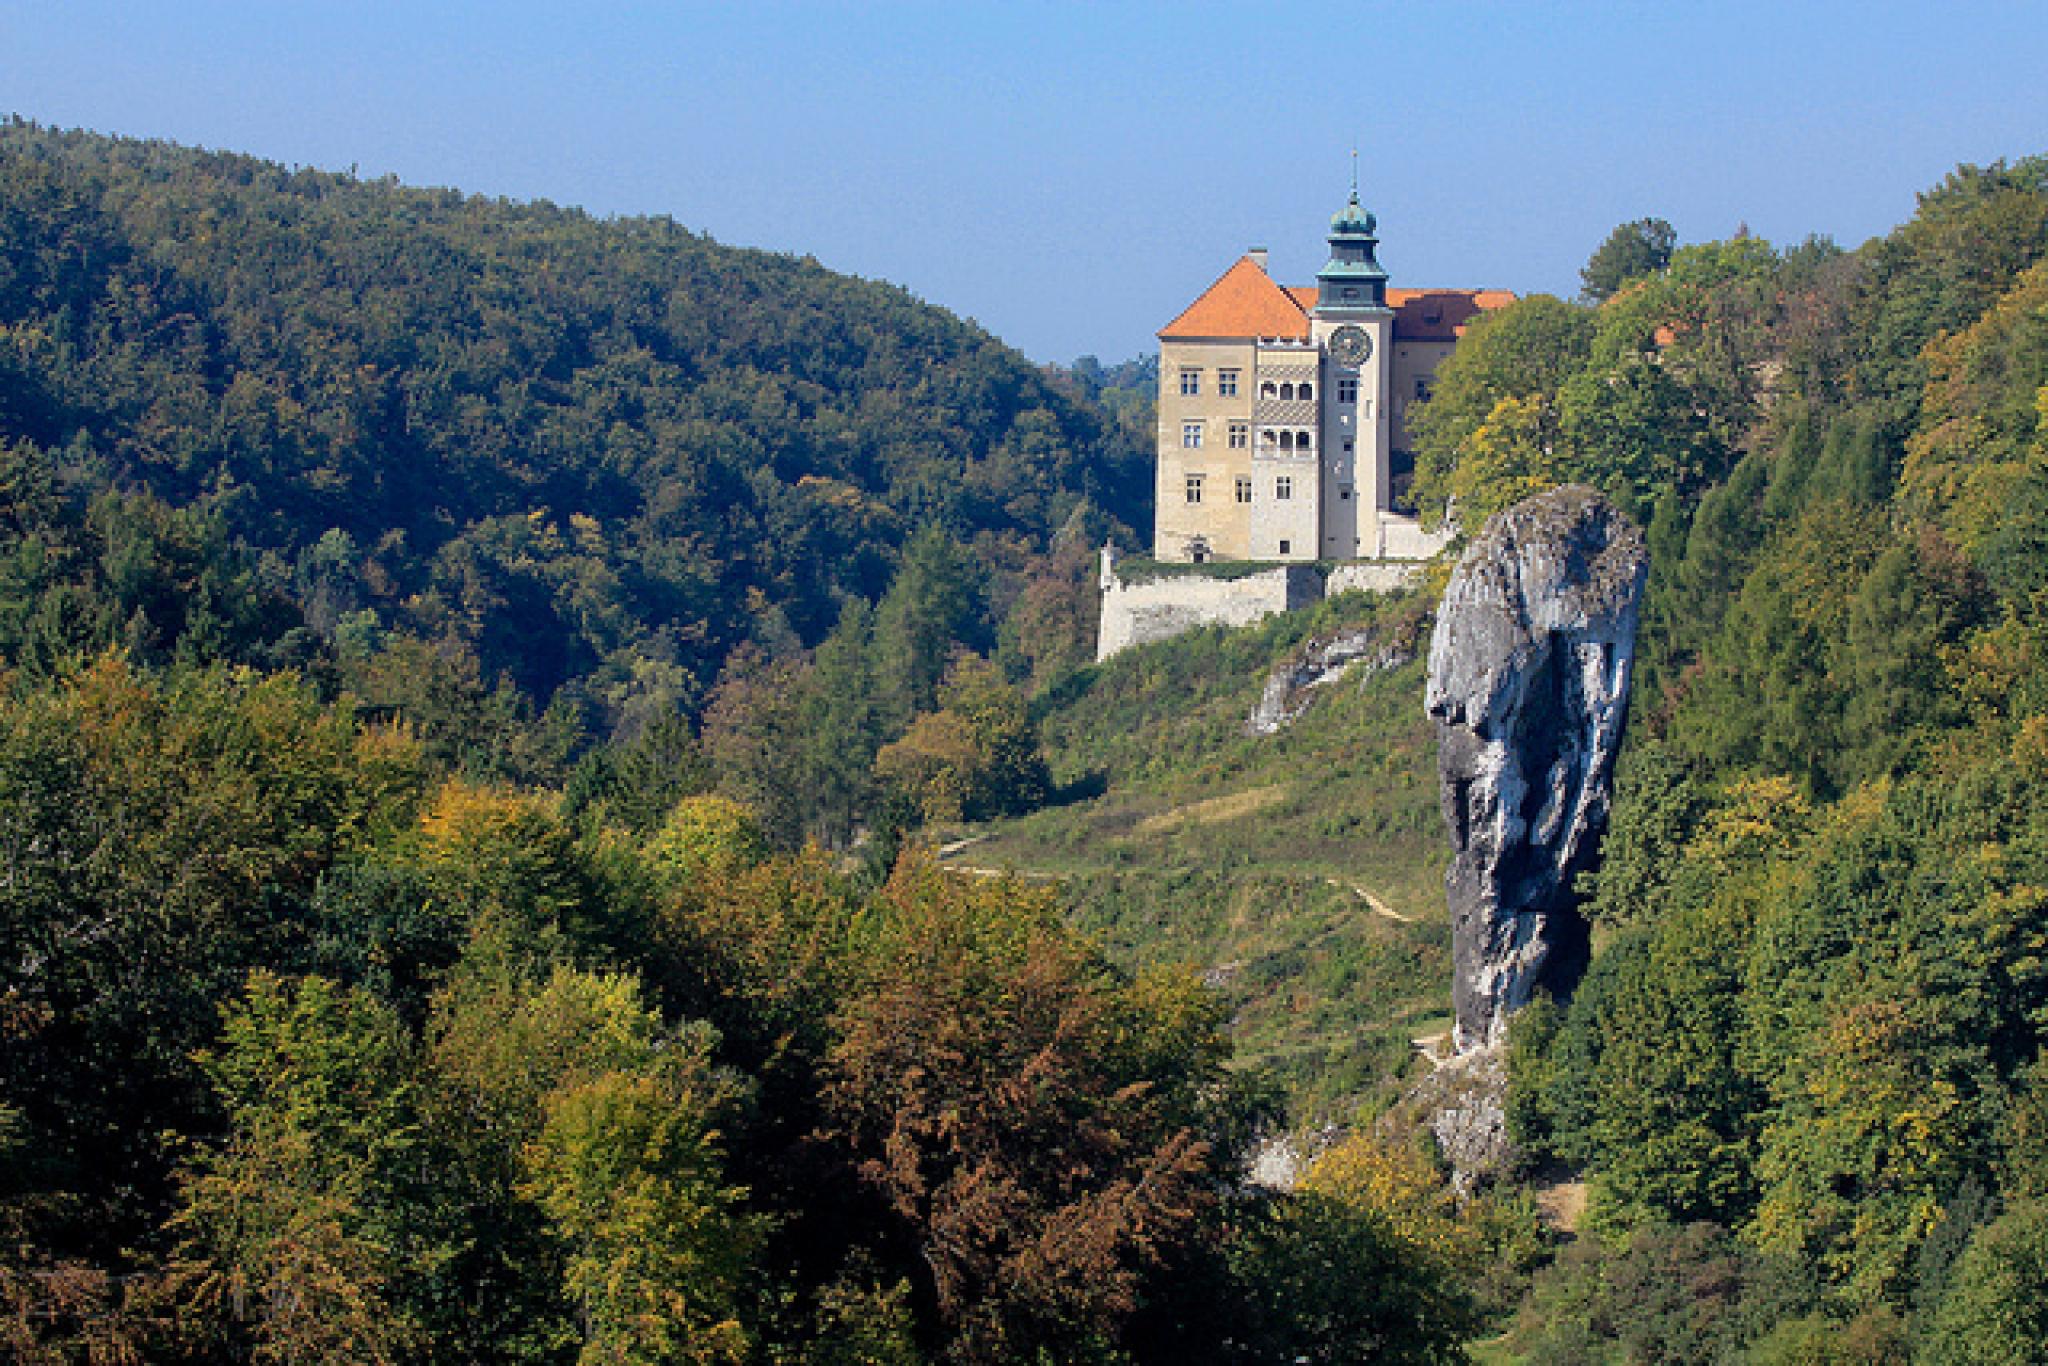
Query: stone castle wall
(1138,613)
(1158,609)
(1371,576)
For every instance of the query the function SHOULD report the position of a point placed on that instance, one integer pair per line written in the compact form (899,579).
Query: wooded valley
(483,683)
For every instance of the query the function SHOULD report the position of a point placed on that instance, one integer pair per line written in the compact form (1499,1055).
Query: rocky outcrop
(1464,1104)
(1291,687)
(1528,683)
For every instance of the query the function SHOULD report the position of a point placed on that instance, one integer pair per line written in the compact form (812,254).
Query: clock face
(1350,345)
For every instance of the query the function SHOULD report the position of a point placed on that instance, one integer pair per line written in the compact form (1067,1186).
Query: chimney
(1258,255)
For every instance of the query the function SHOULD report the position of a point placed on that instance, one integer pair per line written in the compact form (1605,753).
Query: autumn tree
(1036,1122)
(976,757)
(297,1231)
(1368,1259)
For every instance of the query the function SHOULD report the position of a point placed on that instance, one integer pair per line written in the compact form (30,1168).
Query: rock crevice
(1528,683)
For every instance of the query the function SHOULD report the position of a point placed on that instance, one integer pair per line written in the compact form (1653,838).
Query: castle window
(1240,436)
(1190,382)
(1191,435)
(1307,391)
(1194,488)
(1283,488)
(1347,391)
(1244,489)
(1226,383)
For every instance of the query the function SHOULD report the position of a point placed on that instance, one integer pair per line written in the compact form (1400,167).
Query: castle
(1283,437)
(1282,409)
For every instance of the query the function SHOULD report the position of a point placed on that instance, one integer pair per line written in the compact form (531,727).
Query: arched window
(1308,391)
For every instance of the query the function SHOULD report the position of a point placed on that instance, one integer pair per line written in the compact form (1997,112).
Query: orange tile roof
(1243,303)
(1246,302)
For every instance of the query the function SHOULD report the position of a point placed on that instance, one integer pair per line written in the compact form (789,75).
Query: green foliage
(1405,1255)
(627,1169)
(636,785)
(1670,1294)
(704,834)
(161,839)
(581,455)
(129,572)
(974,758)
(1631,251)
(1818,993)
(1996,1309)
(295,1231)
(1489,433)
(930,607)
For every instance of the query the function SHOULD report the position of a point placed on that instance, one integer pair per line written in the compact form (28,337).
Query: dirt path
(1024,873)
(1379,907)
(1562,1204)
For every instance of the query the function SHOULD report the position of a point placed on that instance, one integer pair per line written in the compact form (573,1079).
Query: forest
(481,683)
(1805,1074)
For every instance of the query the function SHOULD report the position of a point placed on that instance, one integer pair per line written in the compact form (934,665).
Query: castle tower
(1353,328)
(1282,408)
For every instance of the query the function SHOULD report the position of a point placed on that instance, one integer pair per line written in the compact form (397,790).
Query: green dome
(1352,220)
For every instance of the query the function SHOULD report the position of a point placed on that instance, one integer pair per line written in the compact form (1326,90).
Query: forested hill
(572,452)
(1806,1077)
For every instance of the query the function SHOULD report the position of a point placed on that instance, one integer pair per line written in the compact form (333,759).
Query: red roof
(1243,303)
(1441,314)
(1246,302)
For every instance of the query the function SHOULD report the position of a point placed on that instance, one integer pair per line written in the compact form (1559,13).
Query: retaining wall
(1157,609)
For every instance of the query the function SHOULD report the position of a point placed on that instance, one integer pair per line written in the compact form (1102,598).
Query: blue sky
(1072,175)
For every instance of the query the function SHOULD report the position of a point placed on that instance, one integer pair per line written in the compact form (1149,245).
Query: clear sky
(1071,175)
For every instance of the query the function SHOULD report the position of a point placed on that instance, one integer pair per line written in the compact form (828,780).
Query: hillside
(1301,871)
(479,683)
(585,457)
(1802,1083)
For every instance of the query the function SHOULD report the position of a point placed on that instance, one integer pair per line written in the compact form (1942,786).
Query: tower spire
(1352,281)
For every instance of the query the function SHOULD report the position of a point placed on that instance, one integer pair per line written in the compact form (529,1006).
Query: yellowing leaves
(1398,1189)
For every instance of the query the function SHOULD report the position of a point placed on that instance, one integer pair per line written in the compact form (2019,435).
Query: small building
(1282,431)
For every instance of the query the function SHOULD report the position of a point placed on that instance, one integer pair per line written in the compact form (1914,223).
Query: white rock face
(1528,682)
(1324,660)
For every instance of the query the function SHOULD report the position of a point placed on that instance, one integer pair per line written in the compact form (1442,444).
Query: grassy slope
(1244,855)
